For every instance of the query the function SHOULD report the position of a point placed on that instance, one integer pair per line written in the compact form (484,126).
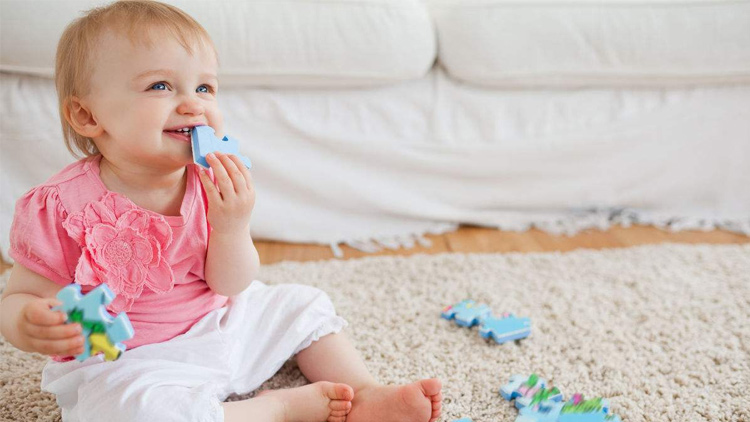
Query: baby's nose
(190,106)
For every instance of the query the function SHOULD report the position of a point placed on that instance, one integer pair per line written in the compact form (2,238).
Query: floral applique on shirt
(122,246)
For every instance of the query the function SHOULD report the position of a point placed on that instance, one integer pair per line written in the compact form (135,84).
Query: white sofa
(372,122)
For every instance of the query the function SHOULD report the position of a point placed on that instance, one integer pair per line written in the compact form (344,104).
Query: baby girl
(173,242)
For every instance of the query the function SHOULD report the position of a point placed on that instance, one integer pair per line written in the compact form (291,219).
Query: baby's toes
(437,406)
(340,403)
(437,398)
(340,392)
(340,406)
(431,387)
(341,396)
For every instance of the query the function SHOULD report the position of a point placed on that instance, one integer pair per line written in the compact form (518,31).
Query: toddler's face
(140,96)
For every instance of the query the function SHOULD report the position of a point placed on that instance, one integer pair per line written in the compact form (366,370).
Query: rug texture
(662,331)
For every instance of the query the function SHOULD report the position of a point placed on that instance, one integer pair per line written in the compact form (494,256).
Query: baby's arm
(27,320)
(232,260)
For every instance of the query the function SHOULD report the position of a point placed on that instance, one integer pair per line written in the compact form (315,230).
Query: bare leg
(259,408)
(334,358)
(320,401)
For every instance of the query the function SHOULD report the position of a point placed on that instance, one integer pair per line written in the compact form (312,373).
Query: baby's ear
(79,116)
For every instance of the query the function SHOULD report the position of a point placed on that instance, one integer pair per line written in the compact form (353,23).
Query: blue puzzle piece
(522,386)
(508,391)
(542,398)
(578,405)
(505,329)
(589,417)
(466,313)
(91,312)
(205,141)
(536,403)
(549,413)
(553,412)
(463,420)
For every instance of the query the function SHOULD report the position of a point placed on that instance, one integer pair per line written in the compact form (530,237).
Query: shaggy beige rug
(663,331)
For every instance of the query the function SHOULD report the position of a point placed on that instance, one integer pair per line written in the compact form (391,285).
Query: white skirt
(231,350)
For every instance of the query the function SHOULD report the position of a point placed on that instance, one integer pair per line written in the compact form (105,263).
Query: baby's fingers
(223,180)
(233,171)
(243,170)
(66,347)
(54,332)
(39,312)
(211,191)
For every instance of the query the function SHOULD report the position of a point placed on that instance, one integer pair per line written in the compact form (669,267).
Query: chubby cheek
(216,121)
(146,118)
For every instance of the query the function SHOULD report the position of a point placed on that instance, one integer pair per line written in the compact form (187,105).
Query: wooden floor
(475,239)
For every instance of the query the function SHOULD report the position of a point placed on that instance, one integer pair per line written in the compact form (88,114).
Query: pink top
(73,229)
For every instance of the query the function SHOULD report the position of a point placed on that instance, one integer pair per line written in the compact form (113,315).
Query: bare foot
(320,401)
(417,402)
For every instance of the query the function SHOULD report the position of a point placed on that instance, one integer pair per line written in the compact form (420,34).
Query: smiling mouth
(181,134)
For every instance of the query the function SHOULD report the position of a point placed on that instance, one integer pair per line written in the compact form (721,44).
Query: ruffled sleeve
(38,240)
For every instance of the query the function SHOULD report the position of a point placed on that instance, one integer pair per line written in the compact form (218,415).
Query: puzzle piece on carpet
(575,410)
(589,417)
(506,328)
(204,141)
(463,420)
(466,313)
(579,405)
(101,332)
(542,398)
(521,386)
(549,413)
(552,414)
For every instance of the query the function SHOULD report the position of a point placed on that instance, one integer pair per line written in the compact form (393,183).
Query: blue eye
(202,88)
(159,86)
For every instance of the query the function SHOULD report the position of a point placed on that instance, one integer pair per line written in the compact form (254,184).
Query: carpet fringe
(394,242)
(566,225)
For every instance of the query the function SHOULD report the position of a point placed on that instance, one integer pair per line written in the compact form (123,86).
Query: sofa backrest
(268,43)
(491,43)
(578,43)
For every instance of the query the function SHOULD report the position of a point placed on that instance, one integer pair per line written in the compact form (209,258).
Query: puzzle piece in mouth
(204,141)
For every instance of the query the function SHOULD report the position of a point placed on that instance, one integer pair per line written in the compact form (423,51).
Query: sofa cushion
(569,43)
(280,42)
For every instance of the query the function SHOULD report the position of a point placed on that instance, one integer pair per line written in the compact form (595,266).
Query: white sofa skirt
(382,166)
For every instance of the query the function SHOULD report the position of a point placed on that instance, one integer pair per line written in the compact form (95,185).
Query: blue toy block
(205,141)
(101,332)
(505,329)
(466,313)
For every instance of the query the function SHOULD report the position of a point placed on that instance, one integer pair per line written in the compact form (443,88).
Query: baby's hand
(231,205)
(44,330)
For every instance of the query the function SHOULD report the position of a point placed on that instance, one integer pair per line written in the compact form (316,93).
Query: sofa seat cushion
(260,43)
(569,43)
(390,161)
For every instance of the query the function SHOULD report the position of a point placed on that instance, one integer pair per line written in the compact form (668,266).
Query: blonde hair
(132,18)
